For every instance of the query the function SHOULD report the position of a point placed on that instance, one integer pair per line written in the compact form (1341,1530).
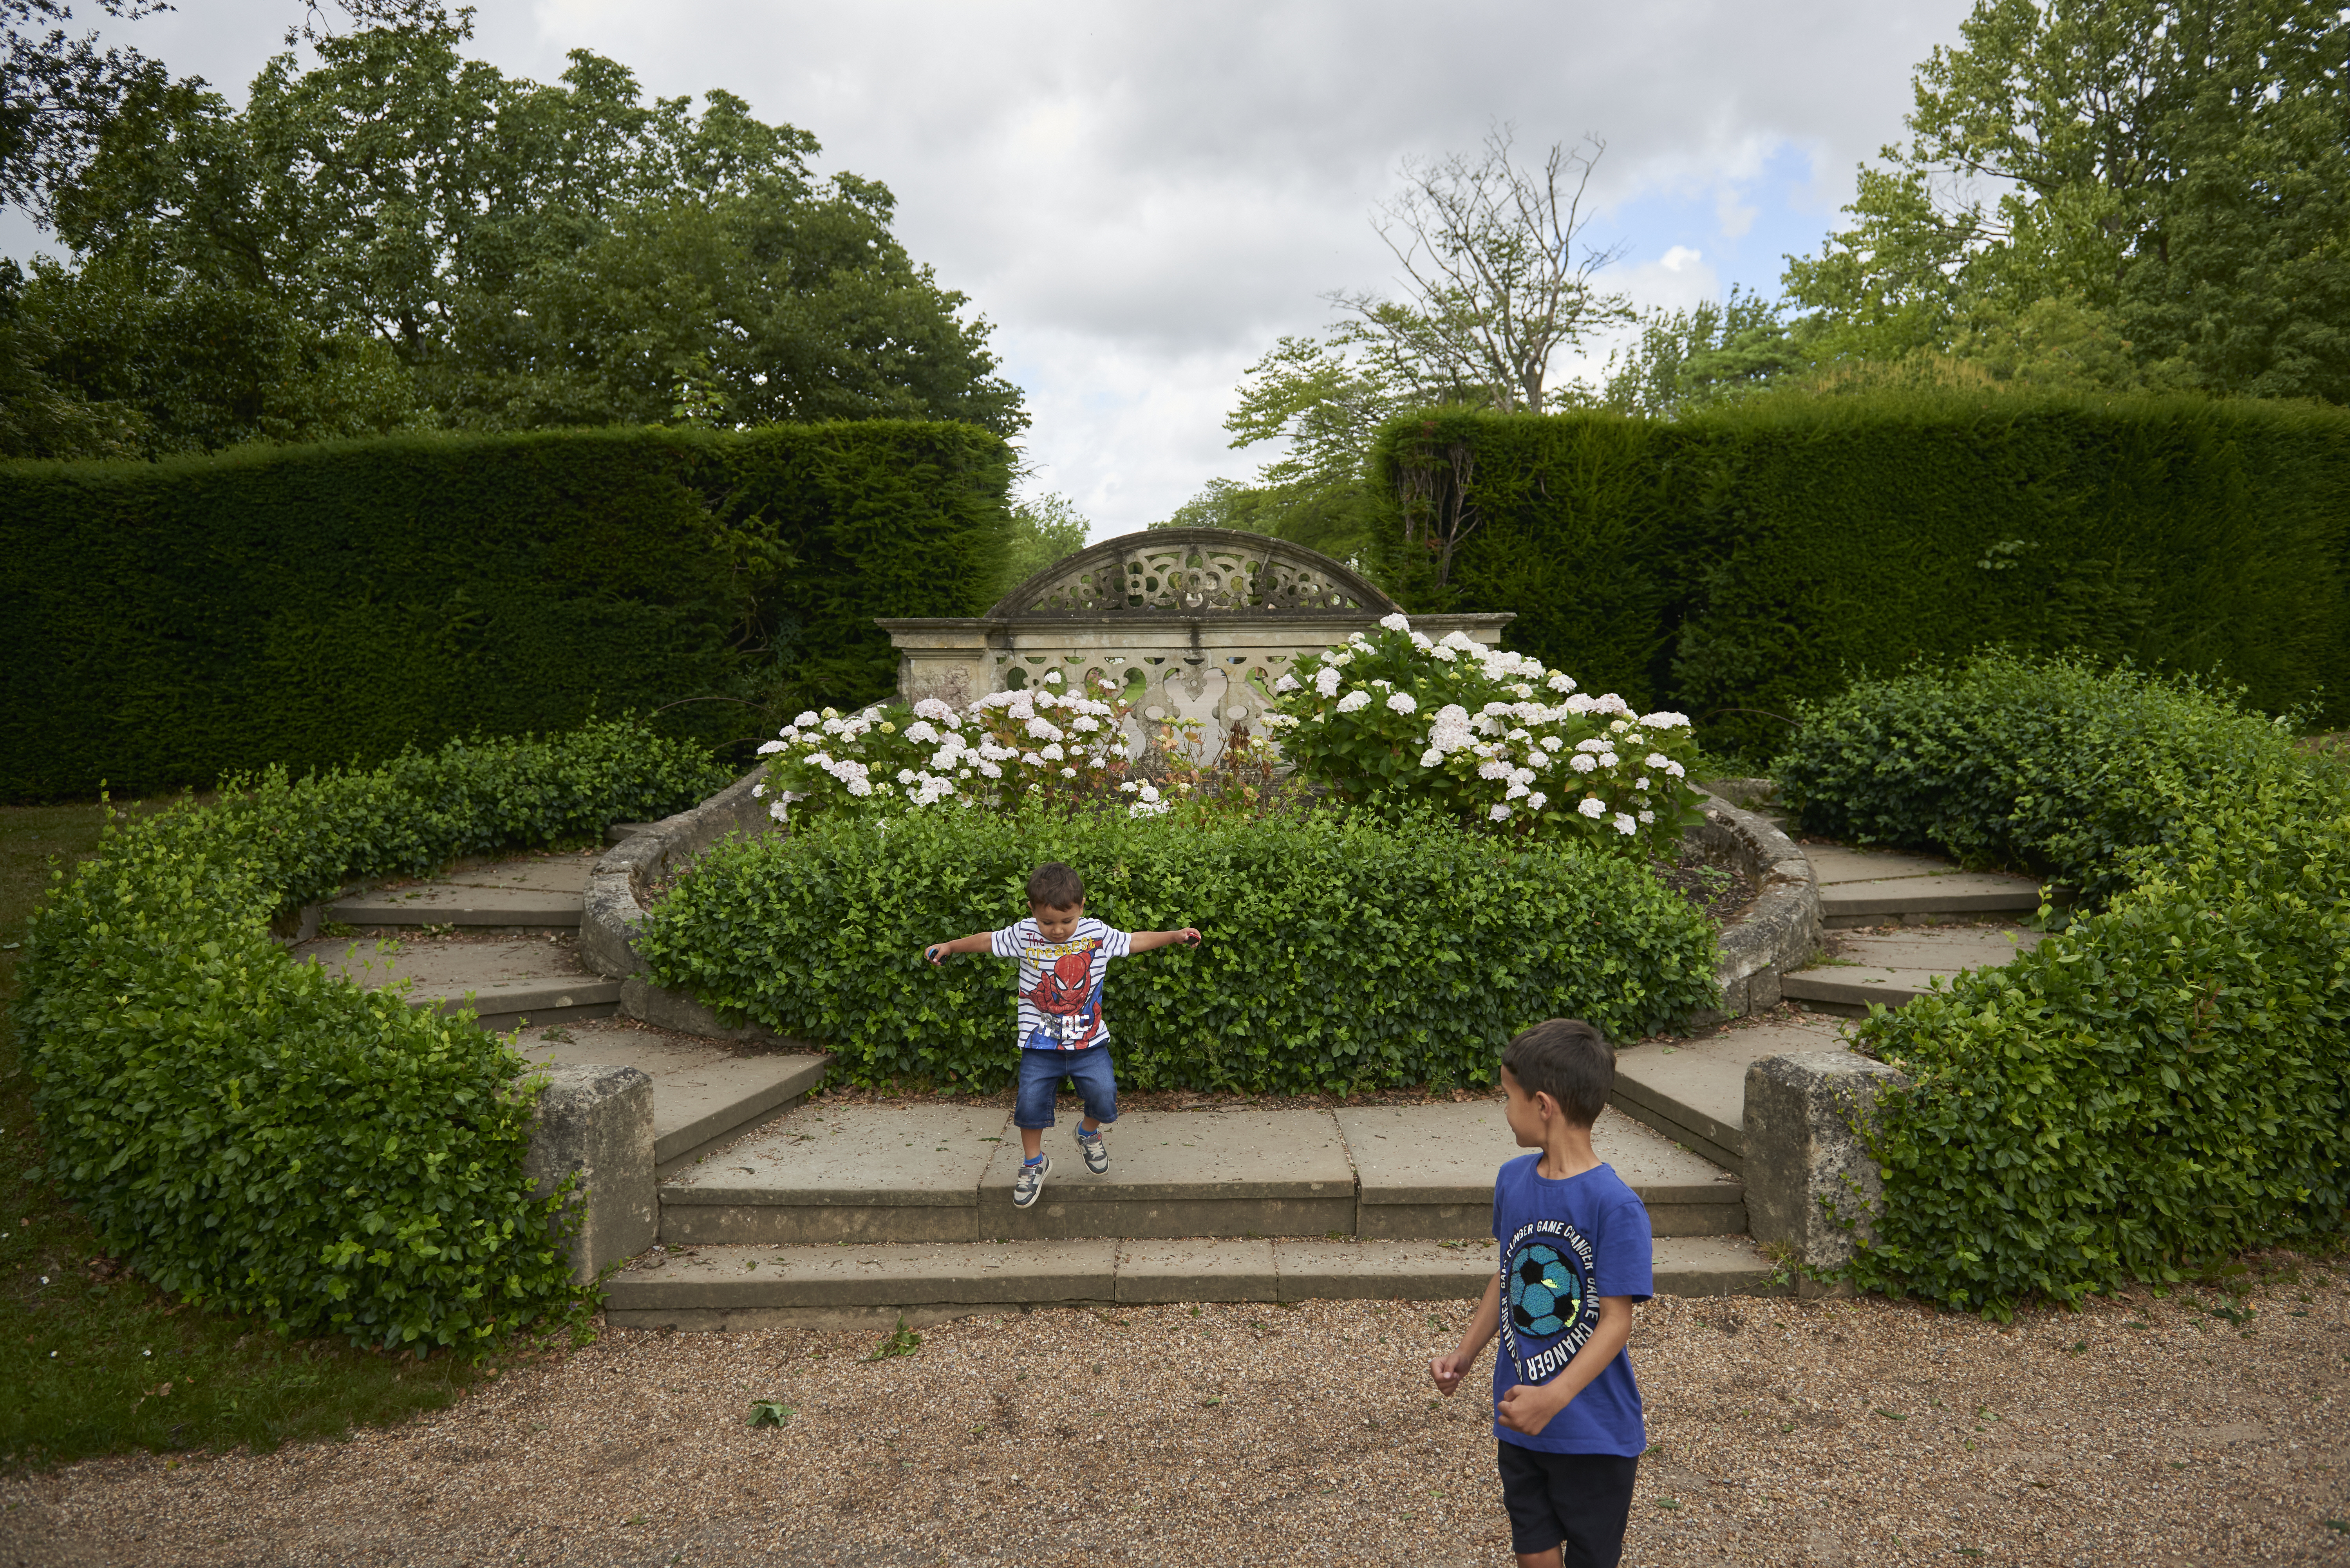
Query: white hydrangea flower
(1536,800)
(1643,783)
(819,760)
(1516,792)
(1325,680)
(1053,675)
(1148,808)
(920,732)
(1583,762)
(1084,724)
(1286,685)
(1647,816)
(859,787)
(1539,761)
(810,717)
(1422,643)
(1030,759)
(1354,701)
(1492,768)
(1402,702)
(1149,792)
(758,790)
(769,748)
(1560,682)
(936,712)
(1343,657)
(1608,759)
(905,776)
(1522,690)
(1593,808)
(1432,758)
(1657,759)
(1052,753)
(1499,813)
(1665,720)
(1395,622)
(1625,825)
(1522,776)
(1461,642)
(990,770)
(1444,655)
(778,808)
(1450,732)
(1676,770)
(1068,773)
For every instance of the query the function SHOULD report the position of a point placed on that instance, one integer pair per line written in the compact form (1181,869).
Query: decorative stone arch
(1196,624)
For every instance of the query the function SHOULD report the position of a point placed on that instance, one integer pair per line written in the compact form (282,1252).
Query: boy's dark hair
(1568,1060)
(1054,886)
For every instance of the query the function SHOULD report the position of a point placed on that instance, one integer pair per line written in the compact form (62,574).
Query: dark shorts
(1041,1072)
(1577,1502)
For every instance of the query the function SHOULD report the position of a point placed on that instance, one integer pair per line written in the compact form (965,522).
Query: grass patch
(87,1356)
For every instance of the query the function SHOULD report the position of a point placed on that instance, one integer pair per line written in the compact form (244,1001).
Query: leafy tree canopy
(2116,192)
(1045,529)
(399,235)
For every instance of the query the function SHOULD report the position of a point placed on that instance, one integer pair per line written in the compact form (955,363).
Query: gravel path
(2136,1432)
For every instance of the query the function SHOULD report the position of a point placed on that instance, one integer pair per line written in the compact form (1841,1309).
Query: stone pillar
(596,1123)
(1811,1186)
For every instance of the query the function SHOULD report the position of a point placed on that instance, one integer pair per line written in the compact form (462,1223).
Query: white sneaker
(1030,1181)
(1096,1149)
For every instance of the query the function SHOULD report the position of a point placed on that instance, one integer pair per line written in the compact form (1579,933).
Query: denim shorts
(1041,1072)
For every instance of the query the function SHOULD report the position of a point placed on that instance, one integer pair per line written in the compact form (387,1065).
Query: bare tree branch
(1489,259)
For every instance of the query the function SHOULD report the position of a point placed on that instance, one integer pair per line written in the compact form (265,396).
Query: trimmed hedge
(1753,556)
(1339,956)
(2166,1081)
(165,623)
(256,1136)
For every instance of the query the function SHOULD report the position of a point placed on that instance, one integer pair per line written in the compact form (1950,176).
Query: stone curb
(613,906)
(1780,931)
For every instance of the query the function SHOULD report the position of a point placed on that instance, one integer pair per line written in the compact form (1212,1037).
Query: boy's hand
(936,952)
(1527,1408)
(1189,936)
(1449,1370)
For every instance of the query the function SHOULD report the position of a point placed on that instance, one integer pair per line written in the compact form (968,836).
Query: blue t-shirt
(1564,1244)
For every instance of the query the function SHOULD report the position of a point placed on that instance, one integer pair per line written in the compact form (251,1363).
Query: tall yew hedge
(1739,562)
(163,623)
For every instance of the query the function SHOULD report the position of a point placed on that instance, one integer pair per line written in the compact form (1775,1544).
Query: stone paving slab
(1920,899)
(1891,968)
(1833,864)
(1694,1091)
(1426,1172)
(501,982)
(1196,1270)
(1183,1173)
(704,1093)
(537,873)
(827,1173)
(872,1284)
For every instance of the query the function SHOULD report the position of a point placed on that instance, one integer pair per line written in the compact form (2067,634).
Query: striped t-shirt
(1061,983)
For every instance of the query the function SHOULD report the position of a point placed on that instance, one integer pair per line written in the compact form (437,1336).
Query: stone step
(706,1093)
(853,1285)
(1693,1091)
(504,983)
(1892,968)
(540,892)
(1880,887)
(944,1172)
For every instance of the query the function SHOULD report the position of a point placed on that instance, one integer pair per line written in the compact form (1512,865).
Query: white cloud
(1141,198)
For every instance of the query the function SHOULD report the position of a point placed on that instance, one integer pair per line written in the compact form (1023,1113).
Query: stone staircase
(774,1206)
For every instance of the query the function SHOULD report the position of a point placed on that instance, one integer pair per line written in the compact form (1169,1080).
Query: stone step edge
(552,916)
(681,1146)
(704,1290)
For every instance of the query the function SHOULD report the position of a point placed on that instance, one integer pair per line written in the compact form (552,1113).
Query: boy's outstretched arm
(1143,941)
(1483,1324)
(977,942)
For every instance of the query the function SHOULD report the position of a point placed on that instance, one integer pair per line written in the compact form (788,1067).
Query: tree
(57,94)
(2173,171)
(513,255)
(1488,251)
(1045,529)
(1713,352)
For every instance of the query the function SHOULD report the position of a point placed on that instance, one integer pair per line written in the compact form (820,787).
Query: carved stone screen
(1195,625)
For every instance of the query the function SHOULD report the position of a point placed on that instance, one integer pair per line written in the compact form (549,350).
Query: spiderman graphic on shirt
(1070,1000)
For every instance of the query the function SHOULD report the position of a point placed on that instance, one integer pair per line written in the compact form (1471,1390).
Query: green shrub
(257,1136)
(2048,765)
(165,623)
(1338,955)
(2168,1081)
(1752,557)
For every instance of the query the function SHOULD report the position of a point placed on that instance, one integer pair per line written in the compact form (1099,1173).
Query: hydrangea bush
(1036,746)
(1492,737)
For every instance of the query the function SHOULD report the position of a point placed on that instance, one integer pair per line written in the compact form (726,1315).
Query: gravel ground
(2138,1431)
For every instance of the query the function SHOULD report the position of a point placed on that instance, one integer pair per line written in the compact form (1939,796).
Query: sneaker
(1095,1148)
(1030,1181)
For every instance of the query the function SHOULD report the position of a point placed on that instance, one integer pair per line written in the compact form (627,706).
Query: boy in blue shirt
(1062,955)
(1575,1255)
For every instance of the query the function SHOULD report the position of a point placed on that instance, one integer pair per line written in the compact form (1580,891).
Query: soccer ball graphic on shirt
(1545,1290)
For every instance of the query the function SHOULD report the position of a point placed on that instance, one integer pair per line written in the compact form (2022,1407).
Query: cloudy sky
(1142,198)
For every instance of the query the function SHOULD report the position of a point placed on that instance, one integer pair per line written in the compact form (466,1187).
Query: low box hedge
(2165,1083)
(257,1136)
(1339,955)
